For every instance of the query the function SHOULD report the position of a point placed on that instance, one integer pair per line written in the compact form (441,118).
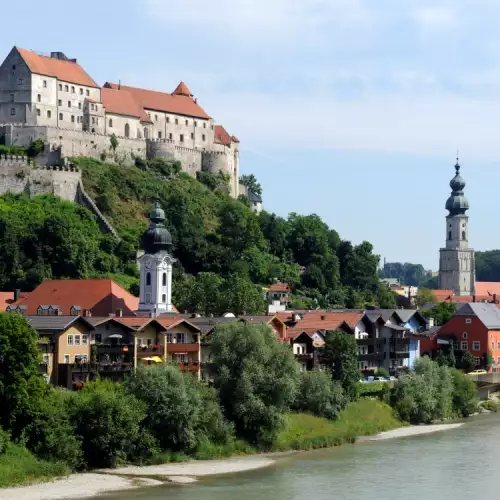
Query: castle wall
(191,159)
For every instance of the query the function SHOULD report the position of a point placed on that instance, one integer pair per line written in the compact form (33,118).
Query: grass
(19,467)
(363,418)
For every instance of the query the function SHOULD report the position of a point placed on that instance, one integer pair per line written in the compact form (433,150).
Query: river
(460,464)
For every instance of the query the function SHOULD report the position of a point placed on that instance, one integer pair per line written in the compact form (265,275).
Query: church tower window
(148,279)
(164,280)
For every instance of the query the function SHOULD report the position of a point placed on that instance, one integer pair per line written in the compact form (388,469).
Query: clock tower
(156,266)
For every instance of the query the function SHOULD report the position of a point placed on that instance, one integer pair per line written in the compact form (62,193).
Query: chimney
(17,294)
(473,298)
(119,313)
(119,84)
(87,313)
(323,317)
(59,312)
(430,322)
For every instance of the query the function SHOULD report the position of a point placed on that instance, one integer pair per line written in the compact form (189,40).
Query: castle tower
(156,266)
(457,261)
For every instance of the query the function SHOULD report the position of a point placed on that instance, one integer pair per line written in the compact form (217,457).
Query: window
(46,359)
(66,88)
(110,123)
(140,342)
(477,360)
(79,105)
(181,338)
(464,335)
(70,339)
(77,339)
(170,136)
(60,86)
(12,98)
(164,298)
(492,346)
(49,114)
(156,118)
(177,121)
(192,135)
(59,102)
(13,67)
(204,125)
(45,84)
(182,138)
(203,136)
(92,107)
(81,91)
(60,116)
(195,123)
(39,98)
(12,111)
(93,121)
(145,133)
(476,345)
(87,92)
(463,235)
(168,119)
(164,279)
(72,90)
(20,81)
(66,359)
(498,345)
(159,135)
(38,112)
(468,321)
(72,118)
(148,279)
(169,338)
(449,235)
(127,130)
(187,122)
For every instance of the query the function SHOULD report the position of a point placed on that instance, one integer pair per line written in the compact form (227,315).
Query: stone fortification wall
(191,159)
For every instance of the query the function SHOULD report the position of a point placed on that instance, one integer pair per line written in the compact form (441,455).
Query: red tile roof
(161,101)
(100,296)
(487,288)
(121,102)
(221,136)
(314,321)
(280,287)
(166,322)
(182,90)
(66,71)
(442,295)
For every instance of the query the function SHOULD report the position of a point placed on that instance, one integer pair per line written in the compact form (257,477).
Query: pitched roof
(487,288)
(121,102)
(279,287)
(66,71)
(161,101)
(182,90)
(100,296)
(488,314)
(221,136)
(442,295)
(318,321)
(57,323)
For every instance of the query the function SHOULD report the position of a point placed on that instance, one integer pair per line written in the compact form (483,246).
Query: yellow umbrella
(157,359)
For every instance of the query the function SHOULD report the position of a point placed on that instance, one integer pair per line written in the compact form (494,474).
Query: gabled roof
(56,323)
(161,101)
(100,296)
(221,136)
(279,287)
(324,321)
(166,322)
(66,71)
(121,102)
(487,288)
(488,314)
(182,90)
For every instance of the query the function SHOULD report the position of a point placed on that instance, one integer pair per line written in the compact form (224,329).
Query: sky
(350,109)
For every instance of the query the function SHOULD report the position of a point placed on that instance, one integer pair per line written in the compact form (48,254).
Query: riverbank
(414,430)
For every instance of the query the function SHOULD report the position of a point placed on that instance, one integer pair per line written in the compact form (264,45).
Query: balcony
(150,350)
(101,367)
(399,355)
(181,348)
(193,367)
(374,356)
(366,341)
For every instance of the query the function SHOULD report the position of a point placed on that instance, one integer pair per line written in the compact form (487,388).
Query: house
(278,295)
(89,297)
(474,328)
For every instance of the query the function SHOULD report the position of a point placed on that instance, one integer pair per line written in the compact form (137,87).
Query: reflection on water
(460,464)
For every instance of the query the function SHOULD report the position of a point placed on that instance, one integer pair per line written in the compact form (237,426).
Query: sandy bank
(196,468)
(414,430)
(76,486)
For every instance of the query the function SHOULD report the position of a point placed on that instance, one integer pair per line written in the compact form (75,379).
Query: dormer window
(75,311)
(468,321)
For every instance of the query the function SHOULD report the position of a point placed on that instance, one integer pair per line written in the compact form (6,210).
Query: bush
(256,378)
(382,372)
(109,422)
(489,405)
(464,394)
(181,412)
(319,395)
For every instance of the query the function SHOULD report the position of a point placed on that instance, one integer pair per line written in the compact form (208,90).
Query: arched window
(164,279)
(463,235)
(127,130)
(110,122)
(148,279)
(449,235)
(145,133)
(164,298)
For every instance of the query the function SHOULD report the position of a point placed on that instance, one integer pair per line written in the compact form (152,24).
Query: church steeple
(457,260)
(156,265)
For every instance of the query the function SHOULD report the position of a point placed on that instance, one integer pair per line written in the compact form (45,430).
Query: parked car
(380,379)
(478,372)
(392,378)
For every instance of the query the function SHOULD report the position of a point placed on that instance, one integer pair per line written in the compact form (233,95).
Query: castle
(52,98)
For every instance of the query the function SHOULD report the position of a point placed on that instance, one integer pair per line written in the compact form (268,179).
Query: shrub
(181,411)
(319,395)
(108,422)
(464,394)
(382,372)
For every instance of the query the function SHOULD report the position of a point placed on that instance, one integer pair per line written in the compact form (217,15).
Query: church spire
(457,203)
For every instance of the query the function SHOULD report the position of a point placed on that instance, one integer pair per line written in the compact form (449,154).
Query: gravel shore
(414,430)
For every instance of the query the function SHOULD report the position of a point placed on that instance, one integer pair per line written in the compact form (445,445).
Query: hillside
(223,249)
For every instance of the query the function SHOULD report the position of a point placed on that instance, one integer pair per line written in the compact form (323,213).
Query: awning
(157,359)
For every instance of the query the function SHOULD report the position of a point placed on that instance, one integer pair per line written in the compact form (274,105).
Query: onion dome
(457,203)
(156,237)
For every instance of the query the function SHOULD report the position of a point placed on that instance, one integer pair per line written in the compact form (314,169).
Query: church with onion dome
(457,261)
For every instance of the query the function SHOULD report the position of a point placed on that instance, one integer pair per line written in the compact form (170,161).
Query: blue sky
(351,109)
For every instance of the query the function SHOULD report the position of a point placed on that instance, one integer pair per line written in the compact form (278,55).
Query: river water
(460,464)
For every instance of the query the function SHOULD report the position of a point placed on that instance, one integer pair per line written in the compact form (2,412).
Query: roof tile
(121,102)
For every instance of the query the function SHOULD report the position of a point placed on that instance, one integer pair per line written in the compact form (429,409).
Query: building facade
(457,261)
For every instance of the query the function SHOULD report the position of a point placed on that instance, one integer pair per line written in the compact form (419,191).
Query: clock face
(148,264)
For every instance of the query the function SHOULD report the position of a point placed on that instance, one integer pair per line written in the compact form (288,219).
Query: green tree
(256,378)
(320,395)
(424,296)
(250,181)
(21,387)
(242,296)
(181,413)
(441,312)
(340,355)
(113,140)
(487,359)
(468,362)
(465,401)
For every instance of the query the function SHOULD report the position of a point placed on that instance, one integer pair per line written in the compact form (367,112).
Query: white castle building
(53,98)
